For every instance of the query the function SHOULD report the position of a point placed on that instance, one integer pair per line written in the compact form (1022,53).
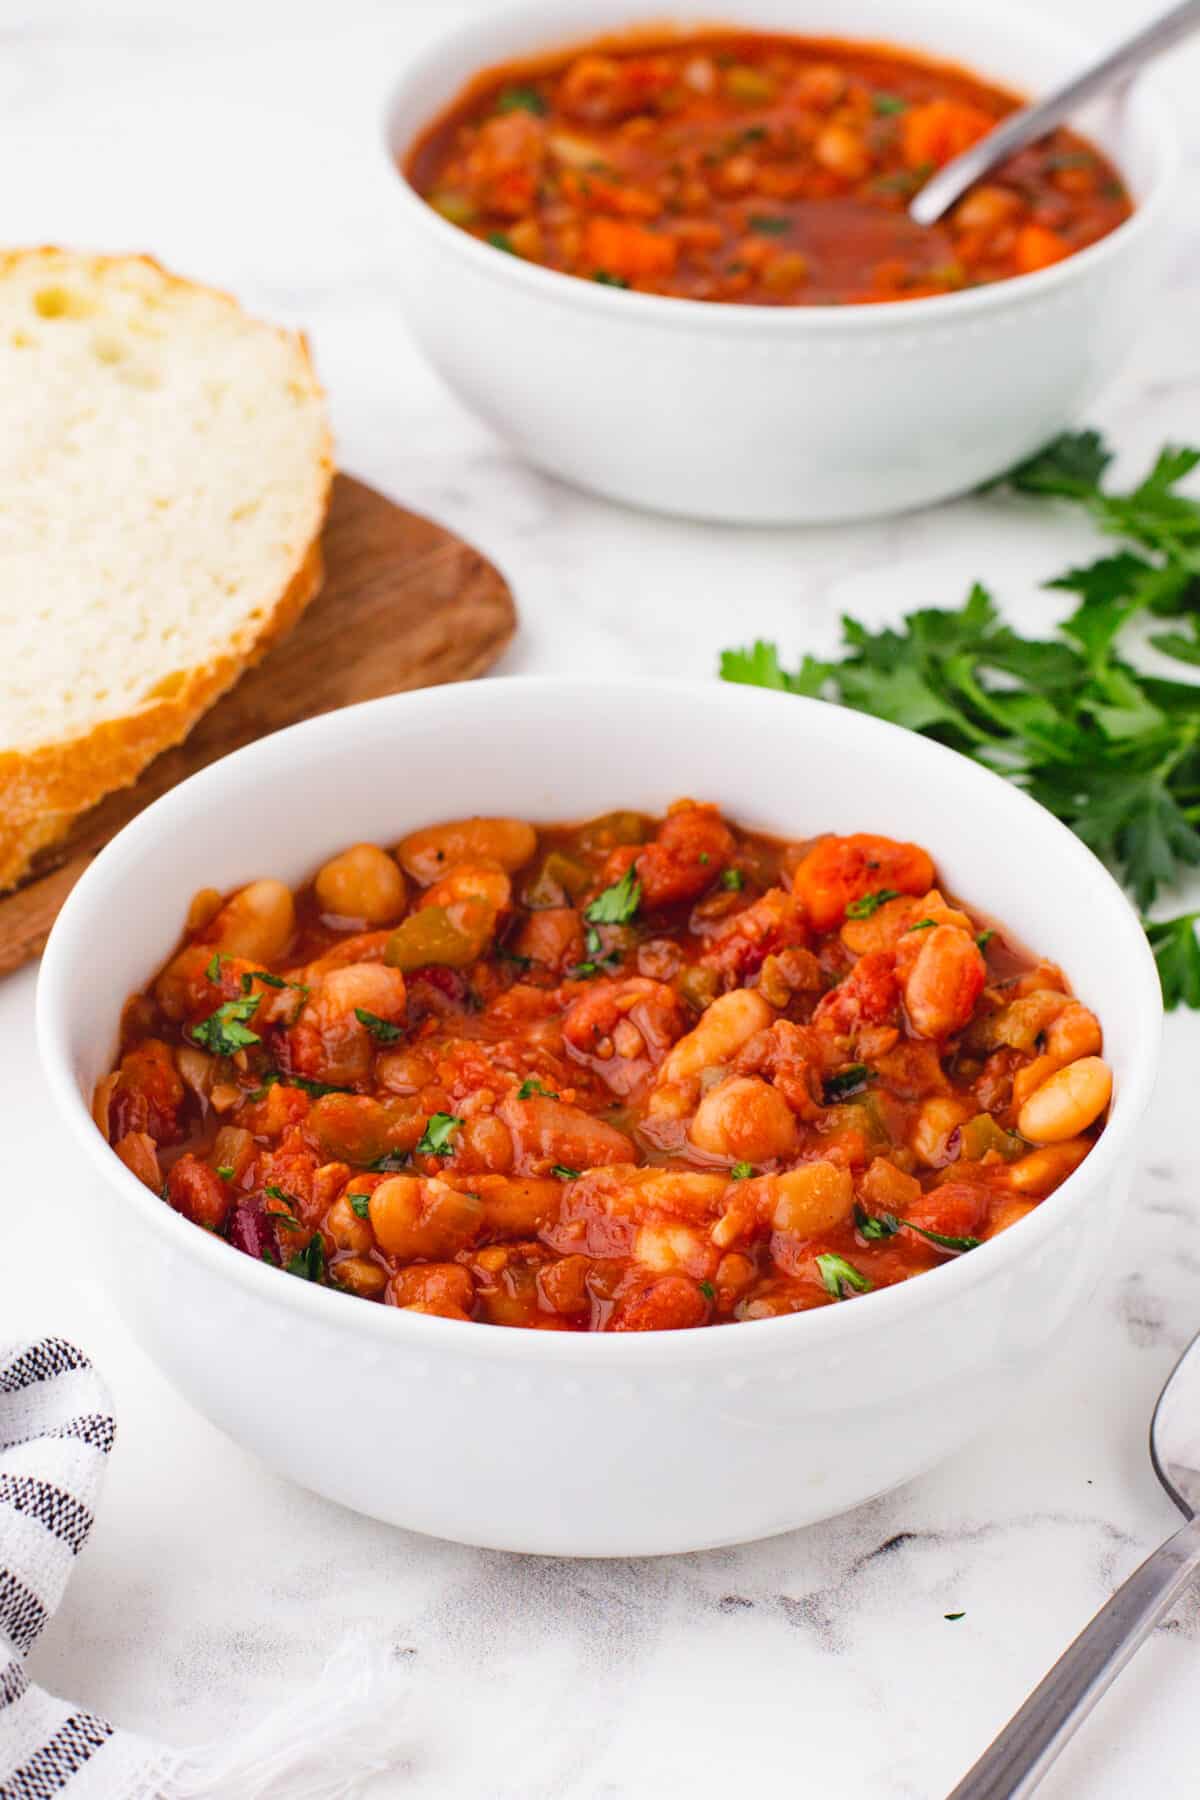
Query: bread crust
(44,789)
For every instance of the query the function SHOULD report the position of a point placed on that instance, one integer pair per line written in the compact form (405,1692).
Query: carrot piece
(620,248)
(1036,247)
(939,130)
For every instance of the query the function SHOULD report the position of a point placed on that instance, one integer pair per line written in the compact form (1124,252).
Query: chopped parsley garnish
(584,971)
(514,956)
(315,1089)
(224,1031)
(1112,750)
(435,1140)
(617,904)
(874,1226)
(984,939)
(213,971)
(923,925)
(866,904)
(741,1171)
(952,1617)
(886,104)
(500,240)
(383,1029)
(607,280)
(531,1086)
(847,1081)
(841,1277)
(733,879)
(708,1290)
(288,1217)
(225,1171)
(268,980)
(561,1172)
(309,1263)
(768,224)
(521,99)
(360,1205)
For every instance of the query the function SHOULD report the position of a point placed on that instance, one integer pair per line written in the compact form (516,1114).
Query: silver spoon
(1031,1740)
(1032,122)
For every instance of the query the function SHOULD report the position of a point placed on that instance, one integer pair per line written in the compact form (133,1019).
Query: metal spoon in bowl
(1032,122)
(1031,1740)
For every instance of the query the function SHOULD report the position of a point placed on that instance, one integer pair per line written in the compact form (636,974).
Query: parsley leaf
(841,1277)
(309,1263)
(224,1032)
(1112,751)
(521,99)
(213,971)
(617,904)
(708,1290)
(531,1086)
(435,1140)
(847,1081)
(866,904)
(607,280)
(382,1029)
(360,1205)
(225,1171)
(741,1171)
(768,224)
(885,104)
(314,1089)
(923,925)
(1176,950)
(562,1173)
(733,880)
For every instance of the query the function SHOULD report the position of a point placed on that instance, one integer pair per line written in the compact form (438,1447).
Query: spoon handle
(1029,1743)
(1032,122)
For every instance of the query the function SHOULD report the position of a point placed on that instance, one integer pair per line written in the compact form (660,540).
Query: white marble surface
(237,140)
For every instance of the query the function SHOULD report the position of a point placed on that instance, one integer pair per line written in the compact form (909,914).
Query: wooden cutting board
(405,604)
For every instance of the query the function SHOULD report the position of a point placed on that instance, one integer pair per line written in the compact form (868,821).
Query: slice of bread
(165,466)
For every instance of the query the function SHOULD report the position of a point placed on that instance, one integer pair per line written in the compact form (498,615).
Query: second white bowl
(779,414)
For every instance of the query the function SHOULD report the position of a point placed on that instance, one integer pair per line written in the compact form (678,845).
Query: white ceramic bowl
(570,1443)
(783,414)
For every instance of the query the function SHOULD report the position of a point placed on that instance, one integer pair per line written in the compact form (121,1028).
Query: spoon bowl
(1033,122)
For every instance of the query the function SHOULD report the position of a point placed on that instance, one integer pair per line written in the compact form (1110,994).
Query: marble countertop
(237,140)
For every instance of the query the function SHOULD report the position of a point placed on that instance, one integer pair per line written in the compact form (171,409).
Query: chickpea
(344,1226)
(257,923)
(1074,1033)
(745,1119)
(730,1022)
(423,1218)
(805,1202)
(843,151)
(362,883)
(359,1275)
(1067,1103)
(370,987)
(471,881)
(987,209)
(940,1115)
(430,852)
(668,1247)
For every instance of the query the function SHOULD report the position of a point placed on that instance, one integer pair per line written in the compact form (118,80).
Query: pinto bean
(944,983)
(1072,1099)
(257,923)
(435,849)
(730,1022)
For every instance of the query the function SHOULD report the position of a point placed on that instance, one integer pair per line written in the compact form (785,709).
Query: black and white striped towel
(56,1431)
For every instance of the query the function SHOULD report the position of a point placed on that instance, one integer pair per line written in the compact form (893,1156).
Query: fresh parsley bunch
(1110,750)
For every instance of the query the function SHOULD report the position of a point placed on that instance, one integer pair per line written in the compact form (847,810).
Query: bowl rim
(817,1329)
(1156,117)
